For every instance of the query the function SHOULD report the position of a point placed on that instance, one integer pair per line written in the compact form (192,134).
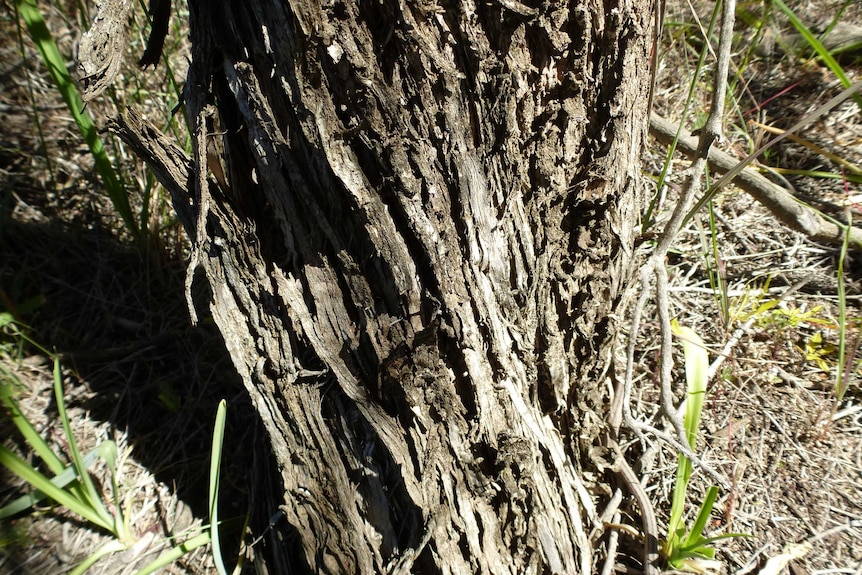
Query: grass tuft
(72,486)
(689,549)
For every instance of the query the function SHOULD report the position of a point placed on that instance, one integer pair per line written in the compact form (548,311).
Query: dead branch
(776,199)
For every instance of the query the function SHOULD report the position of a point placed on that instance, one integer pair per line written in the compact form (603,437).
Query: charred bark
(417,221)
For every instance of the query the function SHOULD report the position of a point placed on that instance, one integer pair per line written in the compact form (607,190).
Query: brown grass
(135,370)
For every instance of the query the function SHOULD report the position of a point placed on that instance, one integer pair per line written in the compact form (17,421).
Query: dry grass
(52,543)
(137,372)
(767,428)
(794,467)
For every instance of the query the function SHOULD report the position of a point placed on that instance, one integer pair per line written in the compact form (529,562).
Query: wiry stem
(655,266)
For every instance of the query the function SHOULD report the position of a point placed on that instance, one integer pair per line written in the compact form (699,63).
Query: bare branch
(776,199)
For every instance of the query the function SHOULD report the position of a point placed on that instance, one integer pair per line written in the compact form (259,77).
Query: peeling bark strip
(417,220)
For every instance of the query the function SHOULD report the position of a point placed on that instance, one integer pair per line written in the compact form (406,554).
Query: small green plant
(845,360)
(72,486)
(215,466)
(715,267)
(817,351)
(771,313)
(688,549)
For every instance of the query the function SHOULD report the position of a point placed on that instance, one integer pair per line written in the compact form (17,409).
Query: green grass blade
(67,476)
(696,373)
(41,36)
(851,178)
(683,474)
(215,472)
(822,52)
(31,94)
(89,491)
(716,269)
(20,468)
(175,553)
(688,101)
(809,118)
(31,436)
(108,451)
(695,534)
(6,318)
(112,546)
(722,537)
(840,384)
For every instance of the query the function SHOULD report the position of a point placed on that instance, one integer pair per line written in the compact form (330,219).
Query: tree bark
(417,221)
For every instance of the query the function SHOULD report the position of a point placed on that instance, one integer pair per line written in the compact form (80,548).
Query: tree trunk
(417,221)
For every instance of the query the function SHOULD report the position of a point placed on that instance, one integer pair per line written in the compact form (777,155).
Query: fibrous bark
(416,220)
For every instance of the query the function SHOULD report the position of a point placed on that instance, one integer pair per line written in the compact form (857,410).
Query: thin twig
(710,133)
(613,541)
(683,448)
(655,266)
(633,484)
(666,379)
(809,118)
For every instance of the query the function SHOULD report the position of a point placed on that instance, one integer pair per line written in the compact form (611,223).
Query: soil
(136,372)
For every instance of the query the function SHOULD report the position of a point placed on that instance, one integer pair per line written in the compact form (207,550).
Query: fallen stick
(776,199)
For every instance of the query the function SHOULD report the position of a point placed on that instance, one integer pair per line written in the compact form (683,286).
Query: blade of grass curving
(694,545)
(807,119)
(176,552)
(60,481)
(215,472)
(846,164)
(33,439)
(89,491)
(41,36)
(835,20)
(853,179)
(695,535)
(822,52)
(847,48)
(26,472)
(112,546)
(31,436)
(109,452)
(757,23)
(7,318)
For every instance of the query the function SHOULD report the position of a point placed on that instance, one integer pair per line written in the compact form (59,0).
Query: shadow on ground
(119,322)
